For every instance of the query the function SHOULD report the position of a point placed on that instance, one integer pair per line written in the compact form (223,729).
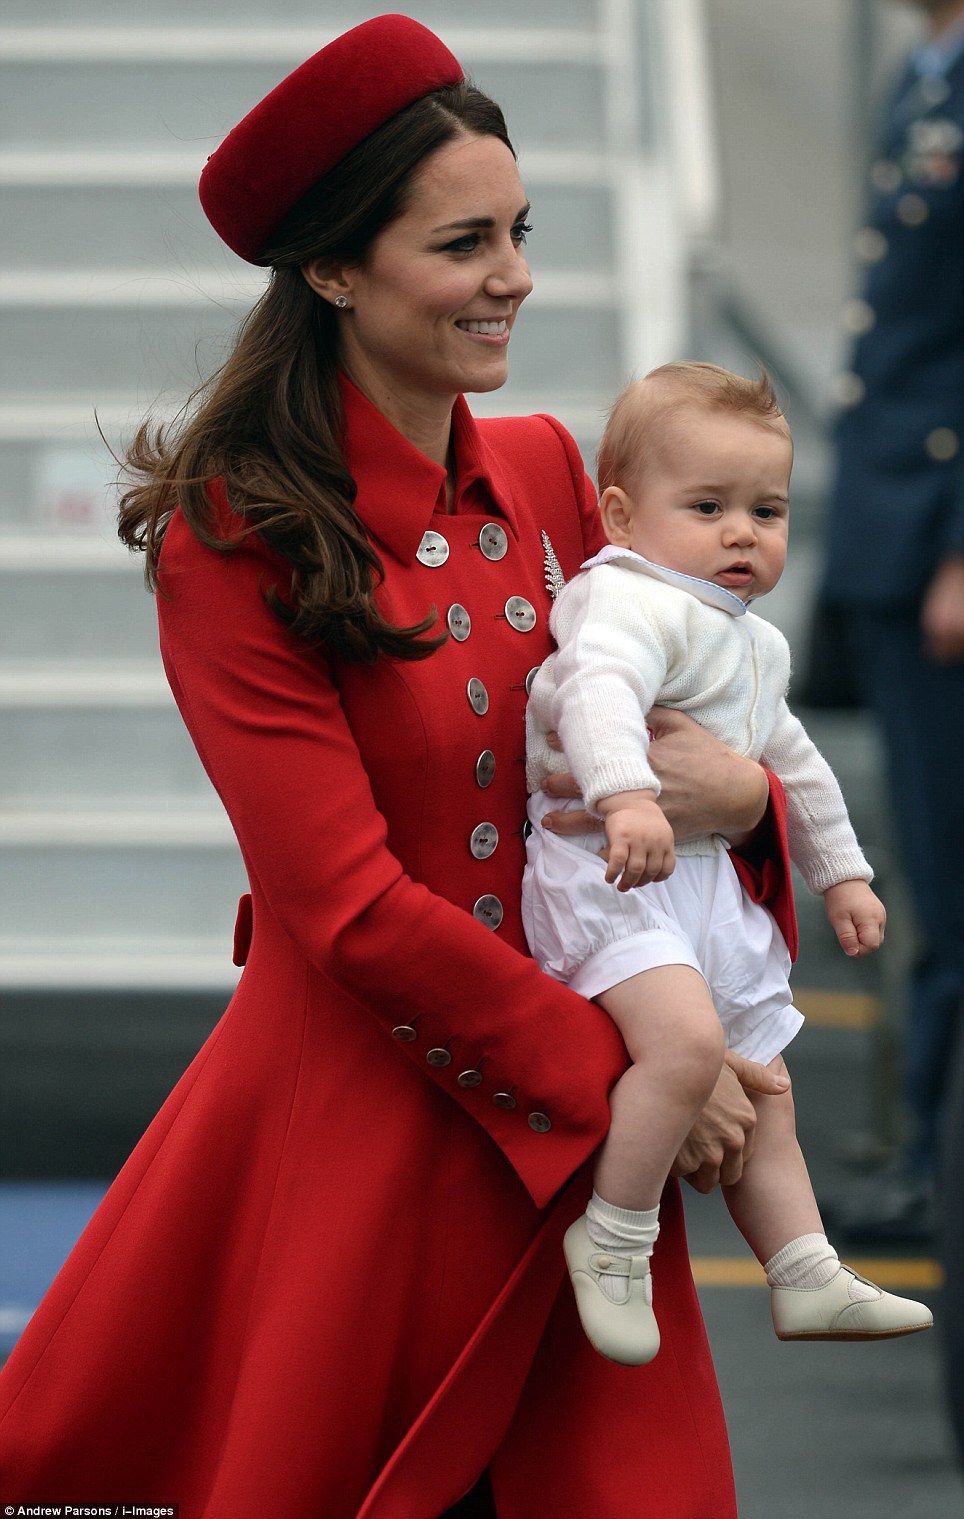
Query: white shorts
(586,933)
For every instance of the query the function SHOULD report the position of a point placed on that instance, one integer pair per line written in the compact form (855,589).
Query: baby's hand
(856,915)
(640,840)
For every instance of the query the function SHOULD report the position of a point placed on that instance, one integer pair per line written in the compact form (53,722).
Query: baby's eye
(765,513)
(706,508)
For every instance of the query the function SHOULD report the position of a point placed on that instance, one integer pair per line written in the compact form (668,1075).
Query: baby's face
(713,502)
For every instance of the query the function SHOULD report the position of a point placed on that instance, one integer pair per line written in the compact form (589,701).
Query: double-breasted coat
(329,1283)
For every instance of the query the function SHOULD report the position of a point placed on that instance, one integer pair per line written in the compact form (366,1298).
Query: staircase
(118,870)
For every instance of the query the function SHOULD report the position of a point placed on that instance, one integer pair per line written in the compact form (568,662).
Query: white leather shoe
(625,1332)
(844,1309)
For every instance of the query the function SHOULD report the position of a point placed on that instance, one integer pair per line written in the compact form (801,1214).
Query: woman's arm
(706,788)
(268,723)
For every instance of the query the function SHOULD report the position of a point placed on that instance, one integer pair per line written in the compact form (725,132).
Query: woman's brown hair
(270,422)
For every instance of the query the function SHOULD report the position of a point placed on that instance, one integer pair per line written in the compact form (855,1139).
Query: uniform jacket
(897,507)
(327,1283)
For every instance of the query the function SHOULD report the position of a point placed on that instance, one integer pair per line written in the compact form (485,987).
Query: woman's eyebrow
(478,221)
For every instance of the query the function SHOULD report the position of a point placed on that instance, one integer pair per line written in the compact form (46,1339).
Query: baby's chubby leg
(813,1296)
(675,1041)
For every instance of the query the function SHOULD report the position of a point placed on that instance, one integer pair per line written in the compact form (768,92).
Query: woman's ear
(616,510)
(330,281)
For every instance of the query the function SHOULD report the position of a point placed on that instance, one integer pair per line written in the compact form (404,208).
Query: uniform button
(858,317)
(521,614)
(885,175)
(488,910)
(870,245)
(604,1262)
(439,1057)
(459,621)
(433,550)
(484,841)
(504,1100)
(470,1079)
(478,697)
(941,444)
(540,1122)
(485,768)
(848,389)
(912,210)
(404,1033)
(493,541)
(531,677)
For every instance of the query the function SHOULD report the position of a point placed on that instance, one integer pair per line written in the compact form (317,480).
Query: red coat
(327,1282)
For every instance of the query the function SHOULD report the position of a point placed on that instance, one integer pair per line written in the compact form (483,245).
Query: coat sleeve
(266,718)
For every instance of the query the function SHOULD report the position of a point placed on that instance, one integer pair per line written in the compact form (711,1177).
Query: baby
(694,472)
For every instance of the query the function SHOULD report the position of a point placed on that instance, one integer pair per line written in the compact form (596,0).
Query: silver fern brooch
(555,579)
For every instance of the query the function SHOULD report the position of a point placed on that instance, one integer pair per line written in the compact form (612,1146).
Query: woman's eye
(466,244)
(520,231)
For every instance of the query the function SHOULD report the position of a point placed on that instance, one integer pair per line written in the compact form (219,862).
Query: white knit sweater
(631,636)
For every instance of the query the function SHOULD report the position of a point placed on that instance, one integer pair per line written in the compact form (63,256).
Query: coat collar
(704,590)
(401,489)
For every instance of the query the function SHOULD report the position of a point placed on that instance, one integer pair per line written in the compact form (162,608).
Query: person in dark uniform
(895,565)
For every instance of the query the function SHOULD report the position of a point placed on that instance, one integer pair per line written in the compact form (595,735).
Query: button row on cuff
(439,1057)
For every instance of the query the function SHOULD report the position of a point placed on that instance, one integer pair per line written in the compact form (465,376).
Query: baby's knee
(703,1048)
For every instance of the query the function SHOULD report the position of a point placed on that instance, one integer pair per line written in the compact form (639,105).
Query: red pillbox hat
(312,119)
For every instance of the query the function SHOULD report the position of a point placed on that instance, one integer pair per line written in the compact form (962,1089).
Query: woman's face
(432,306)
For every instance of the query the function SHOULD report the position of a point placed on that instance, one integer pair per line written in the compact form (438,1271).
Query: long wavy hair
(270,422)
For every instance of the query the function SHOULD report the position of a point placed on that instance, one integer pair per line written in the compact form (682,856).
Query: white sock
(811,1261)
(623,1231)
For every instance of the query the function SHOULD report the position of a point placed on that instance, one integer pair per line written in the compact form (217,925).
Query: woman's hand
(706,788)
(720,1143)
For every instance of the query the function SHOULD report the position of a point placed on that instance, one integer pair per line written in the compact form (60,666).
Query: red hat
(312,119)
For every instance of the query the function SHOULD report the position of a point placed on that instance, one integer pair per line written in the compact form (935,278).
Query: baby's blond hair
(633,429)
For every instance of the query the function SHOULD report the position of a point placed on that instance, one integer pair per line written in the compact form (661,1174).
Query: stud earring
(341,301)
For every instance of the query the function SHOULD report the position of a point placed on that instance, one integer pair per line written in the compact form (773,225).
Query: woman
(327,1281)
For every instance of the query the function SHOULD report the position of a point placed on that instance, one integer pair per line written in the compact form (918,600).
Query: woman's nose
(510,276)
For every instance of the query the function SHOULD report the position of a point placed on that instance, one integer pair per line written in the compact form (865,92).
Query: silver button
(941,444)
(459,621)
(478,697)
(485,768)
(469,1079)
(493,541)
(404,1033)
(439,1057)
(913,210)
(484,841)
(488,910)
(504,1100)
(521,614)
(531,677)
(433,550)
(540,1122)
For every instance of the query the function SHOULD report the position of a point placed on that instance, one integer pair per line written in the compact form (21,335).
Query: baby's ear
(616,511)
